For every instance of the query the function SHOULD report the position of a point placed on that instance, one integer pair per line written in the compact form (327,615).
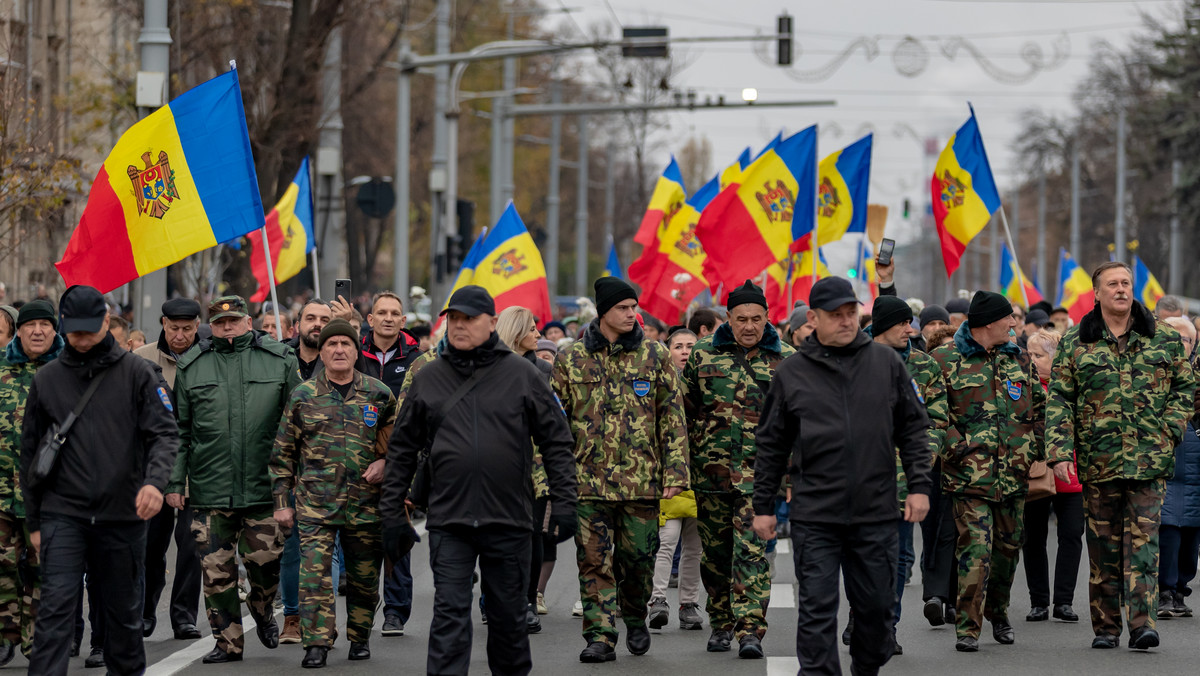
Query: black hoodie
(125,438)
(482,455)
(833,419)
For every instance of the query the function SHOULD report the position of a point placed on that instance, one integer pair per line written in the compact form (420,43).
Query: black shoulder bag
(418,495)
(46,458)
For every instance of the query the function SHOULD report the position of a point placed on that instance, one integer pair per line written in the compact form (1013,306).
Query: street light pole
(581,211)
(400,230)
(553,196)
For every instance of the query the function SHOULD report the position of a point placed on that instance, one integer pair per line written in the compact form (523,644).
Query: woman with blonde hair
(517,328)
(1067,504)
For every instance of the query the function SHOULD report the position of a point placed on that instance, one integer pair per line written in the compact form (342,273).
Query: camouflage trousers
(615,547)
(990,535)
(221,536)
(1122,540)
(362,552)
(734,564)
(19,588)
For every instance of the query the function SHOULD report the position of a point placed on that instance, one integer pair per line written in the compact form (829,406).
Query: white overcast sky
(872,92)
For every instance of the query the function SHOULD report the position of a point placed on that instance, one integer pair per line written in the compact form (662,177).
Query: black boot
(268,633)
(218,656)
(359,651)
(314,657)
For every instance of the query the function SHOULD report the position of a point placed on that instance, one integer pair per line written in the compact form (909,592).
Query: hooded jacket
(16,377)
(481,456)
(834,419)
(124,439)
(231,394)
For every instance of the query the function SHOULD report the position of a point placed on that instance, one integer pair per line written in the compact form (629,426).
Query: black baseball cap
(82,309)
(830,293)
(471,300)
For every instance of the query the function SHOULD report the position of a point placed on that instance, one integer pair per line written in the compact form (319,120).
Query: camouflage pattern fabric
(734,565)
(362,552)
(927,375)
(1120,414)
(15,380)
(221,536)
(990,535)
(325,444)
(1122,539)
(989,417)
(615,547)
(19,588)
(625,409)
(723,402)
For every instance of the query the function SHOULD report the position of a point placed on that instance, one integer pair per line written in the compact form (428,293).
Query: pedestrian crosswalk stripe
(782,666)
(782,596)
(783,546)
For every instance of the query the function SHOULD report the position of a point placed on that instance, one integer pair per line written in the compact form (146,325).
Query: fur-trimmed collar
(15,354)
(723,339)
(903,352)
(595,341)
(1091,327)
(968,347)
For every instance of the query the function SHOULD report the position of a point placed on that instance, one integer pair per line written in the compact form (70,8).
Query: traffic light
(784,31)
(458,245)
(647,47)
(907,207)
(852,273)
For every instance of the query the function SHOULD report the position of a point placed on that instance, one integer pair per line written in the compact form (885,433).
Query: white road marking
(783,545)
(782,666)
(782,596)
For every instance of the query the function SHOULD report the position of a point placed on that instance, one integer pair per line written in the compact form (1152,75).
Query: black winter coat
(125,438)
(482,455)
(838,415)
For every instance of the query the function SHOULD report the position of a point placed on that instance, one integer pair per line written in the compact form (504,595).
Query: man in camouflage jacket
(623,400)
(725,382)
(989,419)
(34,345)
(1120,398)
(329,453)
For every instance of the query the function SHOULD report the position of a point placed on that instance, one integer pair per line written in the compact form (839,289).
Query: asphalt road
(1042,648)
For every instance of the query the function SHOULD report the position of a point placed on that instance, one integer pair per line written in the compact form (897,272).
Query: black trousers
(939,568)
(865,555)
(1069,509)
(503,555)
(185,589)
(114,554)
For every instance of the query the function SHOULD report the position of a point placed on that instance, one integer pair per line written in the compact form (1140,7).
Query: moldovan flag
(670,270)
(667,199)
(843,181)
(1013,278)
(510,267)
(755,222)
(177,182)
(964,192)
(796,270)
(1075,291)
(289,235)
(612,267)
(866,266)
(1146,288)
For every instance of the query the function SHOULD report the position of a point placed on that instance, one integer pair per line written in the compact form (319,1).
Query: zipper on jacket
(475,448)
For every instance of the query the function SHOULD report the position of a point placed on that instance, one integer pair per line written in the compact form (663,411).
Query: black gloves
(398,539)
(562,526)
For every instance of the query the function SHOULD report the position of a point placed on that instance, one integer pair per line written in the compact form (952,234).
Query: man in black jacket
(839,409)
(108,480)
(494,405)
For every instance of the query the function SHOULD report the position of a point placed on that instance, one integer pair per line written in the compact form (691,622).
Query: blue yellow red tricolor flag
(754,222)
(843,184)
(865,262)
(1013,279)
(796,271)
(612,267)
(507,263)
(1075,292)
(177,182)
(670,269)
(289,235)
(964,192)
(1146,288)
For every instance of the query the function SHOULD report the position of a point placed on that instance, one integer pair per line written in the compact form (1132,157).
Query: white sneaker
(577,609)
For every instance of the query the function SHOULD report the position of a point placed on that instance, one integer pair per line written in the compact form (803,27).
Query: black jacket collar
(1091,327)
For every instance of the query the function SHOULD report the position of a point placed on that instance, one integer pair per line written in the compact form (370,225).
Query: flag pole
(815,241)
(271,279)
(1013,251)
(791,269)
(316,275)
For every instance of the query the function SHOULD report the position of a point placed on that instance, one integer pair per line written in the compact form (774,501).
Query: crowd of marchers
(289,457)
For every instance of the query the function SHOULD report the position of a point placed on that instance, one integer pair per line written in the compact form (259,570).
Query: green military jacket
(723,402)
(989,413)
(925,374)
(624,403)
(541,484)
(16,376)
(230,396)
(1119,413)
(325,444)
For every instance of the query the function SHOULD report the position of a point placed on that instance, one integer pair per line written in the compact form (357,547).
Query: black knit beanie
(609,292)
(987,307)
(747,293)
(887,312)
